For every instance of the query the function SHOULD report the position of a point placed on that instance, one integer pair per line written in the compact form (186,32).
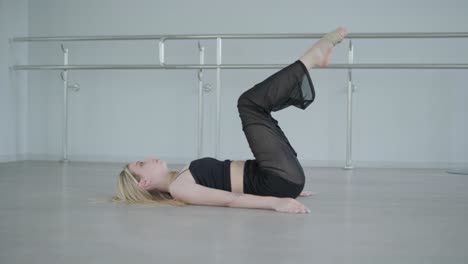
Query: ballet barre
(235,66)
(219,66)
(247,36)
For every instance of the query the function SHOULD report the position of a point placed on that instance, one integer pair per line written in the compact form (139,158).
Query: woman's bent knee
(243,100)
(279,186)
(290,190)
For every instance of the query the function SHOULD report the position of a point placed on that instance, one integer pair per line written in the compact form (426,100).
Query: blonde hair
(128,191)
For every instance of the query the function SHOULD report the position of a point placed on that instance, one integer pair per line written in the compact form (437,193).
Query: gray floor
(51,212)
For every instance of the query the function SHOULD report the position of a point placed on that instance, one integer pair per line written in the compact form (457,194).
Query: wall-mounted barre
(234,66)
(246,36)
(218,66)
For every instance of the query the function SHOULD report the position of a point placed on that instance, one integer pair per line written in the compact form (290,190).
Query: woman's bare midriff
(237,176)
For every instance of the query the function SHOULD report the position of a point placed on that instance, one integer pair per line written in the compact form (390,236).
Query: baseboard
(12,158)
(8,158)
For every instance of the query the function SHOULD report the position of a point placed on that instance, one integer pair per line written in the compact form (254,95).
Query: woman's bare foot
(319,54)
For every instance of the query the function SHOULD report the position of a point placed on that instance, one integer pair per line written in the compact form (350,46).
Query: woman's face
(150,169)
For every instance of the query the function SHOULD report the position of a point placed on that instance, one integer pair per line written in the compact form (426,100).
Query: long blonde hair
(129,192)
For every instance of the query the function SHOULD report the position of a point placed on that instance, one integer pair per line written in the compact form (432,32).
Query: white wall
(402,118)
(13,85)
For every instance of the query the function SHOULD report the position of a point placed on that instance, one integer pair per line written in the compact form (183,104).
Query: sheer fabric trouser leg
(276,158)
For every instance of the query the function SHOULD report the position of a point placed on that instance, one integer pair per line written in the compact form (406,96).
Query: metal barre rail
(218,37)
(233,66)
(246,36)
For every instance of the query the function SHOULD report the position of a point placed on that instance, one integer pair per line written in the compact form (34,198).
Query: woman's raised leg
(267,141)
(291,85)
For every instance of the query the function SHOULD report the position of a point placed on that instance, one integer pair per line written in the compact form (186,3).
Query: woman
(271,181)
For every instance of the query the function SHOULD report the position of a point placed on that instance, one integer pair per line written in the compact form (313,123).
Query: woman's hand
(289,205)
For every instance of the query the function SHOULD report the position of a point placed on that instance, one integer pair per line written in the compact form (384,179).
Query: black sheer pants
(274,154)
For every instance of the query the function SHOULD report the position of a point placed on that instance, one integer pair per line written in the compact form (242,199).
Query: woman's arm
(196,194)
(244,200)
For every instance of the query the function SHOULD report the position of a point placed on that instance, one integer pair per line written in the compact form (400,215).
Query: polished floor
(51,212)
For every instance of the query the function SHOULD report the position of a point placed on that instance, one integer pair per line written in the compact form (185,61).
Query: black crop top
(216,174)
(212,173)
